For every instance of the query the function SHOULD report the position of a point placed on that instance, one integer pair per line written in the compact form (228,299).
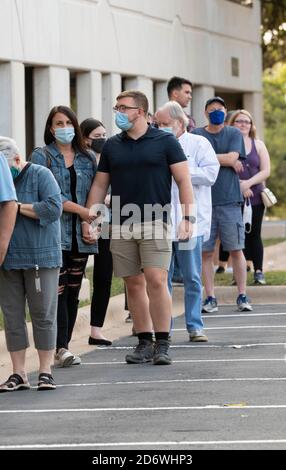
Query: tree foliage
(273,30)
(275,131)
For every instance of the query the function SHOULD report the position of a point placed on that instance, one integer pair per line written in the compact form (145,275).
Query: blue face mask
(217,117)
(15,172)
(64,134)
(122,121)
(167,129)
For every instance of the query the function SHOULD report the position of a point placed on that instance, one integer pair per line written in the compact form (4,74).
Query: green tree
(273,30)
(274,82)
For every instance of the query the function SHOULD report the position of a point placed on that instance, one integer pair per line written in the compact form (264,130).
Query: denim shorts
(227,225)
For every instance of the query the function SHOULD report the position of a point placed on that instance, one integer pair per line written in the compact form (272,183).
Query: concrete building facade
(84,52)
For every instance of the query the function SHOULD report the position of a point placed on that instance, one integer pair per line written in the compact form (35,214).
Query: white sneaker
(76,361)
(209,305)
(198,336)
(64,358)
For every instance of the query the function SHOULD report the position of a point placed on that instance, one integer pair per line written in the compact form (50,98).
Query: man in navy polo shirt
(139,164)
(227,200)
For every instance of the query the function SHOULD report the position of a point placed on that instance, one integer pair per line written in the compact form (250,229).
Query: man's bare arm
(98,189)
(228,159)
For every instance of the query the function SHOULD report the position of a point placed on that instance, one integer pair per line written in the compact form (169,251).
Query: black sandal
(14,382)
(46,382)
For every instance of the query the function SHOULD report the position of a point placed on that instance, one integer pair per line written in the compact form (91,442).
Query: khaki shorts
(139,246)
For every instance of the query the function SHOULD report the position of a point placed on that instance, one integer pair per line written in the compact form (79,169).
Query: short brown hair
(252,130)
(140,99)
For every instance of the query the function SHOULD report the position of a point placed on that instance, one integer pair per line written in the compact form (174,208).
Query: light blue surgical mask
(64,134)
(167,129)
(15,172)
(217,117)
(122,121)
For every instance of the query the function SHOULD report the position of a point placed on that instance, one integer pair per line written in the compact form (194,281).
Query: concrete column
(89,95)
(201,94)
(12,109)
(253,102)
(143,84)
(51,88)
(161,95)
(111,87)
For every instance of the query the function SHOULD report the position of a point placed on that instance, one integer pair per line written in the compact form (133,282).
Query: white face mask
(247,215)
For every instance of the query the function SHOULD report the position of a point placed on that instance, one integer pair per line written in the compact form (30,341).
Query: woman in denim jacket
(74,169)
(31,269)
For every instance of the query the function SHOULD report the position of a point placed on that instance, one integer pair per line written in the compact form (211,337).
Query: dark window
(29,109)
(234,67)
(73,94)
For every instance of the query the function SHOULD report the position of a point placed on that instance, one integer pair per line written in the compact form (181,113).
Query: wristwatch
(190,218)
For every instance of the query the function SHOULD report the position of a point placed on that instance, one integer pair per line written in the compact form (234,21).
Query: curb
(258,295)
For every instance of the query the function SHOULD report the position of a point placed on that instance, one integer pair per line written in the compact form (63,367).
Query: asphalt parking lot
(228,393)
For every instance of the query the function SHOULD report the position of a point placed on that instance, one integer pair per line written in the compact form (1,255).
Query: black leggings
(253,250)
(253,242)
(71,274)
(102,279)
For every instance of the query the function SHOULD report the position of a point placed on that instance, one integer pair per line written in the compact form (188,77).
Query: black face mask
(97,145)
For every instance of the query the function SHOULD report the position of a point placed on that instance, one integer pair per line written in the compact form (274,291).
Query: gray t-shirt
(226,189)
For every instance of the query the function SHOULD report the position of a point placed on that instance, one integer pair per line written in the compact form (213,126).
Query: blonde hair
(252,130)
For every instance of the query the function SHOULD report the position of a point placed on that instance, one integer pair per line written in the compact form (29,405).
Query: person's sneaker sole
(68,362)
(131,360)
(210,310)
(76,361)
(244,308)
(162,361)
(199,339)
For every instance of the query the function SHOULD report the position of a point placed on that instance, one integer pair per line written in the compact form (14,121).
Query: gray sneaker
(210,305)
(143,352)
(259,278)
(198,336)
(161,353)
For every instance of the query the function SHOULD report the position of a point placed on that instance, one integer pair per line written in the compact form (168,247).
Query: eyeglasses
(122,108)
(242,121)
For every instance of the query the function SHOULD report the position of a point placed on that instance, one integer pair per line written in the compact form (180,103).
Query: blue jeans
(190,263)
(177,274)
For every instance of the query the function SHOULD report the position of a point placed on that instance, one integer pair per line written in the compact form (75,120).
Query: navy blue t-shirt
(226,189)
(140,170)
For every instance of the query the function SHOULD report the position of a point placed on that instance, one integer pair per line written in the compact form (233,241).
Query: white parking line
(246,327)
(197,345)
(183,361)
(169,381)
(141,444)
(236,315)
(147,408)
